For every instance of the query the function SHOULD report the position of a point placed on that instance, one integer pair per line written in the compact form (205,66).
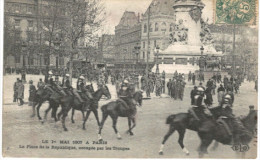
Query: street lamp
(137,48)
(157,54)
(57,44)
(23,51)
(201,50)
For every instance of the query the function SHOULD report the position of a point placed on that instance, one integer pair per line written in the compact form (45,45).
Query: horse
(68,102)
(91,90)
(41,96)
(208,130)
(115,110)
(93,105)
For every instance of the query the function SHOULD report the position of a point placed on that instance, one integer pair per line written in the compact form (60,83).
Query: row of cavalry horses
(208,129)
(114,109)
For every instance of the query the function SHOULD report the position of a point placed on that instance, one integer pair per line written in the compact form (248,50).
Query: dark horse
(115,110)
(93,104)
(41,96)
(68,102)
(208,131)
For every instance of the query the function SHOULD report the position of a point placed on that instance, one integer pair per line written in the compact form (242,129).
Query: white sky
(116,8)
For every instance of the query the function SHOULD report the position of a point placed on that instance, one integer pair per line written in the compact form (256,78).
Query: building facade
(29,21)
(160,15)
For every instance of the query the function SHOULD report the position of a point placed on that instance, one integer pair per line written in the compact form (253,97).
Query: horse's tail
(170,119)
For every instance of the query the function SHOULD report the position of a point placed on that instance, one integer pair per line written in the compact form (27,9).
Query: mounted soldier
(83,92)
(125,96)
(198,110)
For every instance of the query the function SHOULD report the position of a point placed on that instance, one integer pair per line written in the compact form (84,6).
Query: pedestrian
(193,79)
(221,92)
(32,93)
(169,87)
(15,87)
(209,100)
(20,91)
(177,90)
(189,76)
(225,81)
(193,94)
(173,88)
(182,86)
(158,86)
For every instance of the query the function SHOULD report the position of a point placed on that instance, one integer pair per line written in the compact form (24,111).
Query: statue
(205,34)
(180,33)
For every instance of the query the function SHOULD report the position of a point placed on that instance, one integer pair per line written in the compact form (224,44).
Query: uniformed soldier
(182,87)
(82,89)
(158,85)
(57,82)
(125,95)
(69,89)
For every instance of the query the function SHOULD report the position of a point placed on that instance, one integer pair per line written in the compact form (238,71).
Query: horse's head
(250,120)
(105,91)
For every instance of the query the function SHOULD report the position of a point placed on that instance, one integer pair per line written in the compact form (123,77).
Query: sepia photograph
(130,79)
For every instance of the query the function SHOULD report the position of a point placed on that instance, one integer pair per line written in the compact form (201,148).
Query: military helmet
(67,75)
(227,96)
(200,89)
(126,81)
(82,77)
(50,73)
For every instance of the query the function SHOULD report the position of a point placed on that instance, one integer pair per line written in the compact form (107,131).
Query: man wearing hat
(15,89)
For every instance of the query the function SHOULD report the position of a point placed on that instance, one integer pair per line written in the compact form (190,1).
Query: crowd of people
(176,86)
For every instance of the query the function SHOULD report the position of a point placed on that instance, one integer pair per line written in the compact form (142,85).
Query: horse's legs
(169,133)
(114,119)
(60,113)
(180,141)
(65,113)
(72,114)
(38,111)
(46,112)
(86,118)
(129,124)
(54,111)
(96,115)
(206,140)
(33,109)
(104,117)
(83,115)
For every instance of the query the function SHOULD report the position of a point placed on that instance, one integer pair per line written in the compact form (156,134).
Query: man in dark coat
(169,87)
(192,95)
(15,89)
(32,93)
(20,91)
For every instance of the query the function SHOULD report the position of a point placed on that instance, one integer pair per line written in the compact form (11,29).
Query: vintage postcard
(130,79)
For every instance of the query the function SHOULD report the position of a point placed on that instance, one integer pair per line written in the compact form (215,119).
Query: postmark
(242,12)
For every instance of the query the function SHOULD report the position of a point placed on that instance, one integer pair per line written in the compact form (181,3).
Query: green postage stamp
(235,12)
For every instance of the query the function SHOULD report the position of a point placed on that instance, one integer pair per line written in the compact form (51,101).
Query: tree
(86,18)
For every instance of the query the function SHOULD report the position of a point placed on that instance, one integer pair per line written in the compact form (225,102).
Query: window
(163,27)
(143,55)
(61,61)
(30,9)
(30,23)
(144,45)
(17,22)
(171,27)
(156,27)
(154,43)
(145,28)
(17,8)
